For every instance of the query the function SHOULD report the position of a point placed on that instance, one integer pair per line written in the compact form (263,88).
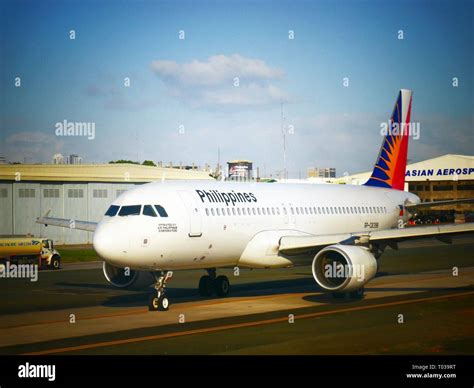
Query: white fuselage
(206,229)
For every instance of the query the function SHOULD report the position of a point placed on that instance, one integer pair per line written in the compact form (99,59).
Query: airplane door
(195,221)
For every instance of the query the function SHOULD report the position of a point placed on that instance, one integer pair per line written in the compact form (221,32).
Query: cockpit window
(112,211)
(132,210)
(149,211)
(161,211)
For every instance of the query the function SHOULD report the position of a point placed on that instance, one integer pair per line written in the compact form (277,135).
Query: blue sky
(190,82)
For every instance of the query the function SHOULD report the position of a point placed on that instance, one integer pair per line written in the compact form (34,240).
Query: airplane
(342,229)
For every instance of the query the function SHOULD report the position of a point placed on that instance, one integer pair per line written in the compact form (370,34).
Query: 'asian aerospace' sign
(439,172)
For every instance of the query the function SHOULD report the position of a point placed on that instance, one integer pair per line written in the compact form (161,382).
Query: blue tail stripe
(377,183)
(387,148)
(384,154)
(381,163)
(379,173)
(388,139)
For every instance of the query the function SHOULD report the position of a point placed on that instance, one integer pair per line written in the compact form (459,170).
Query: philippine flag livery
(389,169)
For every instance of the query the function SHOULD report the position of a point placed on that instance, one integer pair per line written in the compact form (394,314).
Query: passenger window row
(299,210)
(136,210)
(237,211)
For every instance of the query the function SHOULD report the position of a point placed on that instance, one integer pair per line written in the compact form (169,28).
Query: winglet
(45,215)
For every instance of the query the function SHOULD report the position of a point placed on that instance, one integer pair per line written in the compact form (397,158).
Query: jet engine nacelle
(127,278)
(343,268)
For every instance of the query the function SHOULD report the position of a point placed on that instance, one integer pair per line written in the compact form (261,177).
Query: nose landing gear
(159,301)
(208,284)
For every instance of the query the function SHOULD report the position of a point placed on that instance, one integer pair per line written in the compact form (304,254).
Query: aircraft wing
(298,244)
(67,223)
(434,204)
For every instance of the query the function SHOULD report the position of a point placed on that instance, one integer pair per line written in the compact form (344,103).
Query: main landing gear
(159,301)
(208,284)
(357,294)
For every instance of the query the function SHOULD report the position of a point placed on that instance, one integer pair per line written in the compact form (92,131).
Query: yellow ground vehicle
(29,249)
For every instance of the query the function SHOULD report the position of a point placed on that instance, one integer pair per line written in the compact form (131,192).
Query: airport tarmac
(414,306)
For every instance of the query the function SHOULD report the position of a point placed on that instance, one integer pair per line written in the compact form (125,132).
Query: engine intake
(345,268)
(119,278)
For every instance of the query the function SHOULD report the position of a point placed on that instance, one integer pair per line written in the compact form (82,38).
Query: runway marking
(239,325)
(211,302)
(145,310)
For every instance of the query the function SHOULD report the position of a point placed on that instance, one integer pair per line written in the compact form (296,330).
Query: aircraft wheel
(156,303)
(222,286)
(338,295)
(163,303)
(153,302)
(206,286)
(357,294)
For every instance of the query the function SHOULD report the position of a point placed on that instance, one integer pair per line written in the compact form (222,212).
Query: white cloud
(32,146)
(251,94)
(440,135)
(348,141)
(114,98)
(218,69)
(30,138)
(212,83)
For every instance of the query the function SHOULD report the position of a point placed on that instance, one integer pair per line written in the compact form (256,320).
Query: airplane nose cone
(108,246)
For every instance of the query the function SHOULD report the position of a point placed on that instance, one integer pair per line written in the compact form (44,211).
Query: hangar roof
(119,173)
(442,168)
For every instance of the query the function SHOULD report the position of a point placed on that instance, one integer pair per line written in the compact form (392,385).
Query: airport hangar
(81,192)
(443,178)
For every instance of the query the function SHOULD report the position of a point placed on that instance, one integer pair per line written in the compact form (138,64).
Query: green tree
(122,161)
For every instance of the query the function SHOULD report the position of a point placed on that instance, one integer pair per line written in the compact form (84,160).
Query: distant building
(181,166)
(240,170)
(75,159)
(58,159)
(184,167)
(3,160)
(327,172)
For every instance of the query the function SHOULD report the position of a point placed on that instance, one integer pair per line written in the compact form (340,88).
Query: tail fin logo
(389,169)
